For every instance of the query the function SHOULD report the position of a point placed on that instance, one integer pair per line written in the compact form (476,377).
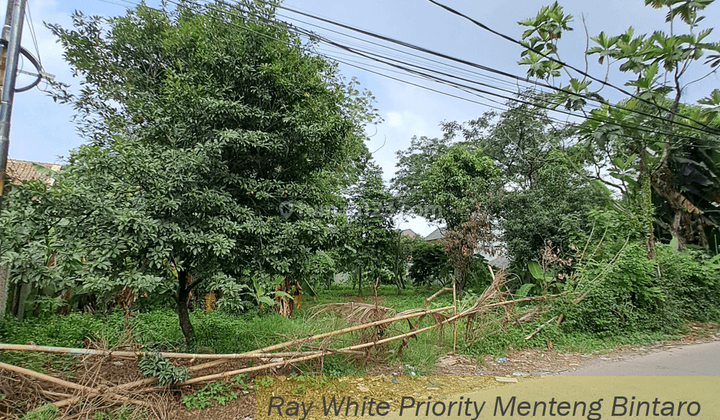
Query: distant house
(23,170)
(436,235)
(501,261)
(409,233)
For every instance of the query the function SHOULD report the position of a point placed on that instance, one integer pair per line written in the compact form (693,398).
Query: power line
(500,72)
(465,88)
(603,82)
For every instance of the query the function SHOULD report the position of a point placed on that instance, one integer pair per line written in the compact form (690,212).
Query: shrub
(692,282)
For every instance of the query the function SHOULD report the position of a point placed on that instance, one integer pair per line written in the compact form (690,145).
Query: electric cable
(456,85)
(603,82)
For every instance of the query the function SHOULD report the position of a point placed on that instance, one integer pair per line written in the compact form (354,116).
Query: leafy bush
(692,282)
(625,292)
(621,296)
(429,264)
(218,392)
(63,331)
(157,366)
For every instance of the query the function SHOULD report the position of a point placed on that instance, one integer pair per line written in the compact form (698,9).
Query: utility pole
(11,34)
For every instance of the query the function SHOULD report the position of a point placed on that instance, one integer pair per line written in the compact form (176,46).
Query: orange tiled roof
(23,170)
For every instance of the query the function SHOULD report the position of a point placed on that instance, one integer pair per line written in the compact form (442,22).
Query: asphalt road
(691,360)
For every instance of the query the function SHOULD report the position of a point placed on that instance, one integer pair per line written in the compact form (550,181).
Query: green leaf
(524,289)
(282,294)
(536,270)
(267,301)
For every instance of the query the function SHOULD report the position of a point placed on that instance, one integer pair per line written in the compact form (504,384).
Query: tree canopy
(217,144)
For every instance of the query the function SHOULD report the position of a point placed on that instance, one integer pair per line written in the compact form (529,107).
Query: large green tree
(637,136)
(369,229)
(216,145)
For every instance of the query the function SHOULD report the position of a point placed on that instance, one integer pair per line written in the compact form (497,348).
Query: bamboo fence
(265,356)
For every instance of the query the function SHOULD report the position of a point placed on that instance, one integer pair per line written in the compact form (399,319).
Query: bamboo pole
(141,382)
(167,355)
(438,293)
(66,384)
(532,334)
(347,330)
(260,352)
(454,290)
(314,356)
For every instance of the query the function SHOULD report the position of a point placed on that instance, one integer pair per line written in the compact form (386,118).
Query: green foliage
(429,263)
(28,242)
(58,331)
(124,412)
(650,142)
(265,381)
(43,412)
(156,366)
(624,292)
(63,331)
(412,167)
(212,149)
(218,392)
(554,208)
(239,381)
(457,179)
(224,333)
(369,228)
(692,282)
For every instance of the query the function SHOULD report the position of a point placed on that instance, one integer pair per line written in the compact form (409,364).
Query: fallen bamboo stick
(66,384)
(167,355)
(509,302)
(141,382)
(347,330)
(438,293)
(532,334)
(264,352)
(314,356)
(56,394)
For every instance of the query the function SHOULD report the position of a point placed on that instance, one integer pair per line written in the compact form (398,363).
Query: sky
(43,130)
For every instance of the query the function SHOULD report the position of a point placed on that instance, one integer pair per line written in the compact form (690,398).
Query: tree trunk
(183,295)
(359,280)
(685,212)
(4,289)
(646,206)
(23,291)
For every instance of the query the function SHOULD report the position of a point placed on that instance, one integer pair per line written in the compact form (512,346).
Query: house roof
(436,234)
(409,233)
(23,170)
(501,262)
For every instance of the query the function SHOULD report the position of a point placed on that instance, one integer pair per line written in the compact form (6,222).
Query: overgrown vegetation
(223,181)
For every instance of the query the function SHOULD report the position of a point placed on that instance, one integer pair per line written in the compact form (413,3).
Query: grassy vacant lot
(219,332)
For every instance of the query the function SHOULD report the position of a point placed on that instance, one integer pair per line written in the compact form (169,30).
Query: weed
(218,392)
(300,389)
(43,412)
(125,412)
(265,381)
(239,381)
(161,368)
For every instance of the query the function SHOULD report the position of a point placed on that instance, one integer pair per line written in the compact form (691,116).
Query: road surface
(691,360)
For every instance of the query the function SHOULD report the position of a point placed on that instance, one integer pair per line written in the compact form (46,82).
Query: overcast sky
(44,131)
